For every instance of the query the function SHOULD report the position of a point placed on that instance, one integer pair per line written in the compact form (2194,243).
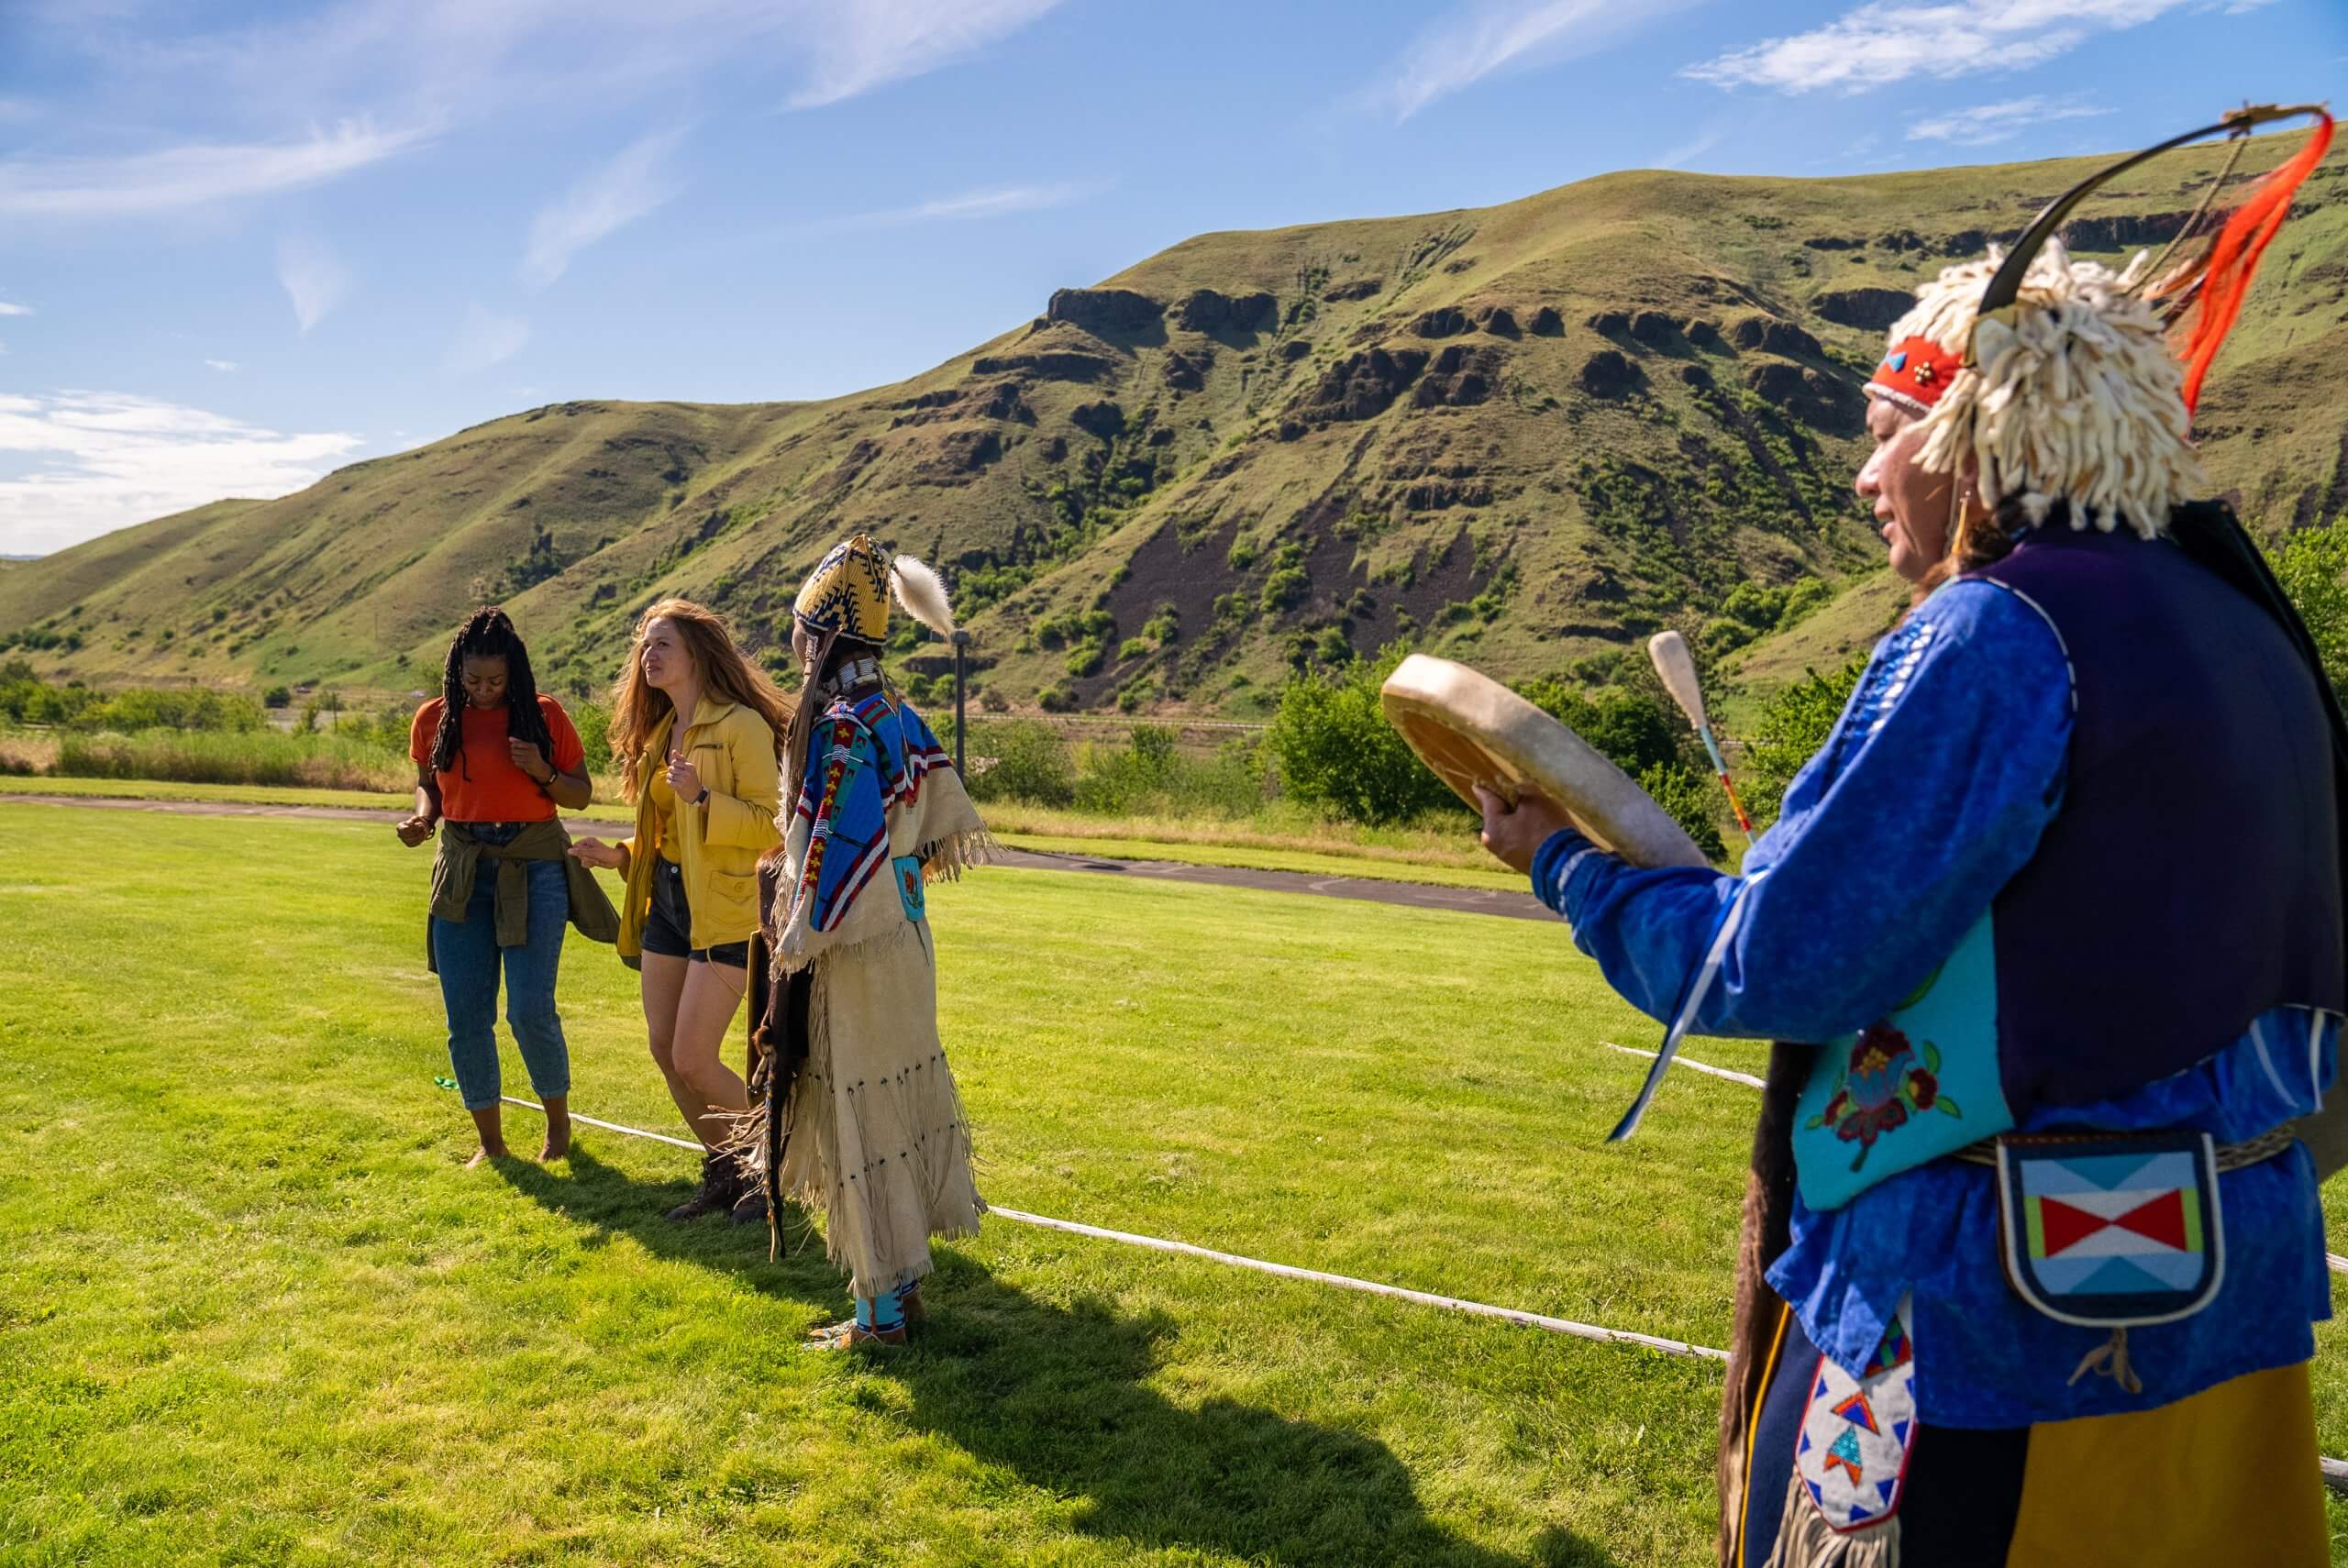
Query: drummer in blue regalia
(2057,915)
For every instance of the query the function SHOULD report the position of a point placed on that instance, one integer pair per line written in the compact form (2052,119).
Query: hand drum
(1472,730)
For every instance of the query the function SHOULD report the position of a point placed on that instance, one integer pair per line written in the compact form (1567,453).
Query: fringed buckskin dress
(843,1018)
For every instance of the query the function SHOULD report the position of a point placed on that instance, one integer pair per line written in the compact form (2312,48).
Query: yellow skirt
(2229,1476)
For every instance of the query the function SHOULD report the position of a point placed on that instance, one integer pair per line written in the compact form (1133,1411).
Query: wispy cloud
(191,176)
(610,198)
(992,201)
(101,461)
(1690,150)
(1475,40)
(313,278)
(467,62)
(1985,124)
(385,77)
(225,367)
(485,339)
(1881,43)
(7,308)
(865,44)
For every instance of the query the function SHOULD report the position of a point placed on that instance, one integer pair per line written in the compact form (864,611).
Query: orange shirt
(484,786)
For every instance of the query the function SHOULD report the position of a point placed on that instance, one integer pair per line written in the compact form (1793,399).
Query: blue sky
(241,244)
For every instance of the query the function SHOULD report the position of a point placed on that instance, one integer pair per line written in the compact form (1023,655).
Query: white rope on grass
(2336,1471)
(1735,1077)
(1346,1282)
(608,1126)
(1284,1271)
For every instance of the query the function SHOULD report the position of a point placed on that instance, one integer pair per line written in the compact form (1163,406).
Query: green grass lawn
(254,1311)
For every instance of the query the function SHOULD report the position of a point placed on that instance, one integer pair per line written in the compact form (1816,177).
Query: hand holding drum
(1478,734)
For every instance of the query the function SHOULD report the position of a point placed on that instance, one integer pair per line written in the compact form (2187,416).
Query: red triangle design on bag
(2162,1221)
(2064,1226)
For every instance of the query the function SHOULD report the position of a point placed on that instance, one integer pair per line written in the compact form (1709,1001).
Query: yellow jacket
(718,844)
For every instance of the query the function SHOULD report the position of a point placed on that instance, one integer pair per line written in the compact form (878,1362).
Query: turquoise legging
(886,1312)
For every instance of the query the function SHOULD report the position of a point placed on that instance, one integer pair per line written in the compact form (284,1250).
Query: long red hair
(638,706)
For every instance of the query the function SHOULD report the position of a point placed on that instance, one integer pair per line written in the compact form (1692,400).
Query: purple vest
(2191,880)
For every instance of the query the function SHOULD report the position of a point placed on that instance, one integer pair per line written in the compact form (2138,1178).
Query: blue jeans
(469,958)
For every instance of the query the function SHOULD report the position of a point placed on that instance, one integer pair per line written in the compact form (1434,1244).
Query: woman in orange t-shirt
(492,757)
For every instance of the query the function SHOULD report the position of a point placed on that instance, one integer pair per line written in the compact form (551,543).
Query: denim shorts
(668,929)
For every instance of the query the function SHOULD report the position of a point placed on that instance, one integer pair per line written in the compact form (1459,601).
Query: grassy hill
(1521,435)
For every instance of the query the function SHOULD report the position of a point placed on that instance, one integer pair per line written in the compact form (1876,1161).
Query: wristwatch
(702,799)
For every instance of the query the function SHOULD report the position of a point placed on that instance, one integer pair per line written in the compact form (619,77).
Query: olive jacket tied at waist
(459,862)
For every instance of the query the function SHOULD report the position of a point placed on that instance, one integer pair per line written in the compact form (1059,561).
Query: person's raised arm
(1930,795)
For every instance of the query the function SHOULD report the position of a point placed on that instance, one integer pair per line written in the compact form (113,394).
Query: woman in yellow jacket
(705,795)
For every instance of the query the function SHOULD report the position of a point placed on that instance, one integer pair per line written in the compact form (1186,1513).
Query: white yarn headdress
(2077,397)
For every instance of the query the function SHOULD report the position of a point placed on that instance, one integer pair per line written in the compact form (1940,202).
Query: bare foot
(485,1153)
(557,1144)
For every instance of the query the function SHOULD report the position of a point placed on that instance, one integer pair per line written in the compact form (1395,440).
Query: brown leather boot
(719,1186)
(750,1208)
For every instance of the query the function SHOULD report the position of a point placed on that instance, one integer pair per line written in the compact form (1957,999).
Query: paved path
(1369,889)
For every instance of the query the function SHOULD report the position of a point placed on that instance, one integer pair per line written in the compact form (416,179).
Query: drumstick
(1677,668)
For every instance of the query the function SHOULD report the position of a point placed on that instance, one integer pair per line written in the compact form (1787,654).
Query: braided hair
(490,633)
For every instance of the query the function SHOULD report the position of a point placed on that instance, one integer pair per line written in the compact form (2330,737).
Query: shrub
(1336,751)
(1633,729)
(1285,588)
(1690,798)
(25,699)
(1802,598)
(1150,776)
(1756,604)
(1754,608)
(1724,634)
(1031,763)
(594,722)
(146,710)
(278,697)
(1792,727)
(2312,567)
